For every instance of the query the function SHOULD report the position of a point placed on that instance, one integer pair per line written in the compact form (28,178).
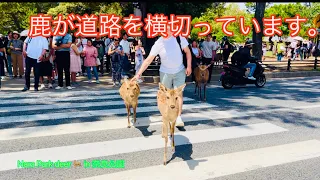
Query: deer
(129,92)
(168,105)
(201,74)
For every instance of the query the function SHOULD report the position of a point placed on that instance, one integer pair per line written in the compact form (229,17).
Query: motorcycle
(235,75)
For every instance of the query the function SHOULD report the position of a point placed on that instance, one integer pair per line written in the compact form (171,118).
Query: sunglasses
(116,40)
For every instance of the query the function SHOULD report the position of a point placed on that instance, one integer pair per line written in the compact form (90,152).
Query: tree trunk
(257,37)
(143,8)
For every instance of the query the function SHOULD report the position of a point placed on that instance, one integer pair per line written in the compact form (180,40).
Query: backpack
(193,57)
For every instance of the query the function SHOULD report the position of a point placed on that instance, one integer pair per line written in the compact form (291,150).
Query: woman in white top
(139,53)
(197,52)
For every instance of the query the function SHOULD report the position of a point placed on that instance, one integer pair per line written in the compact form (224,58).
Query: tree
(257,37)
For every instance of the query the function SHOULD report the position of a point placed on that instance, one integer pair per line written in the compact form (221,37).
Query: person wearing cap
(245,51)
(16,46)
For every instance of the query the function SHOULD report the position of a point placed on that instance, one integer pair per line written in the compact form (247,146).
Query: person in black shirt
(2,58)
(246,58)
(99,44)
(226,49)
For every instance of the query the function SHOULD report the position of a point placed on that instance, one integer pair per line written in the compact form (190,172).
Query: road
(244,133)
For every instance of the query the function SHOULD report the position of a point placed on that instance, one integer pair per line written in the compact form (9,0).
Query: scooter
(235,75)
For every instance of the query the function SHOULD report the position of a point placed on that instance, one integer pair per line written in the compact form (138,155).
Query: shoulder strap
(179,42)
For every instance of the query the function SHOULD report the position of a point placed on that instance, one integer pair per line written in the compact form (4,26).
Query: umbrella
(24,33)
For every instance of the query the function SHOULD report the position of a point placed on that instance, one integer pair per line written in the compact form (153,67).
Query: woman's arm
(75,48)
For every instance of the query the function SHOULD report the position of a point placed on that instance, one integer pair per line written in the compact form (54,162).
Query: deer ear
(162,87)
(180,89)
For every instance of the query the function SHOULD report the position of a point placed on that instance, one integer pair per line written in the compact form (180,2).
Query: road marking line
(107,148)
(97,113)
(75,105)
(65,93)
(222,165)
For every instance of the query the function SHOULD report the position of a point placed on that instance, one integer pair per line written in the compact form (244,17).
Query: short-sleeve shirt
(67,39)
(170,54)
(35,46)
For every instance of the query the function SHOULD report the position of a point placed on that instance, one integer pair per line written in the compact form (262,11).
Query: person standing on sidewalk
(125,64)
(107,43)
(16,46)
(8,59)
(3,55)
(34,50)
(208,47)
(62,47)
(99,44)
(172,70)
(116,52)
(91,54)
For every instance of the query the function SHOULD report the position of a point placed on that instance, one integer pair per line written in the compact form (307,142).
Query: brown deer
(168,105)
(201,74)
(129,92)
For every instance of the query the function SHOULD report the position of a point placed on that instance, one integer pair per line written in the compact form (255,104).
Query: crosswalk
(86,125)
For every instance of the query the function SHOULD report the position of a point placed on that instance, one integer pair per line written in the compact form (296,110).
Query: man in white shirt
(125,64)
(33,50)
(209,49)
(172,71)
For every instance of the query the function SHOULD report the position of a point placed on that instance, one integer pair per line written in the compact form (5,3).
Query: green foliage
(290,11)
(231,10)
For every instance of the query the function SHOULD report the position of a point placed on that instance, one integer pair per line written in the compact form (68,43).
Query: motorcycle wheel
(260,81)
(226,83)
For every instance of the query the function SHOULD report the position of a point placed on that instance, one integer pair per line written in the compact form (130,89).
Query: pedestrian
(197,53)
(107,43)
(90,61)
(2,59)
(62,46)
(139,53)
(8,59)
(280,47)
(116,53)
(99,44)
(208,47)
(172,70)
(226,47)
(34,50)
(16,46)
(125,63)
(75,61)
(45,68)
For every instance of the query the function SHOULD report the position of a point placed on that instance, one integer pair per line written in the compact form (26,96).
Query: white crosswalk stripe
(35,117)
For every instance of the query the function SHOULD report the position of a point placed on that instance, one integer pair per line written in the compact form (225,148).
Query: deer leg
(172,127)
(195,89)
(200,93)
(128,115)
(204,92)
(135,113)
(165,136)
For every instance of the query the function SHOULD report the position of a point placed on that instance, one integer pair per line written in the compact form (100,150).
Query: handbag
(98,62)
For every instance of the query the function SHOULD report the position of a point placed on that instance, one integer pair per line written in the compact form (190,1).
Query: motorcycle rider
(247,58)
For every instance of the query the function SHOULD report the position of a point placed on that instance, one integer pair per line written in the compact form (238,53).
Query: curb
(269,75)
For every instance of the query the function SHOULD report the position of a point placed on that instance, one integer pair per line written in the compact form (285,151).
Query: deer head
(171,96)
(203,69)
(132,88)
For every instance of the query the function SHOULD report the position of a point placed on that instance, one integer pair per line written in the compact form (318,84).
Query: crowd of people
(66,58)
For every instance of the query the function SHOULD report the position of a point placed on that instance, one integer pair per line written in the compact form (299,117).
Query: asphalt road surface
(244,133)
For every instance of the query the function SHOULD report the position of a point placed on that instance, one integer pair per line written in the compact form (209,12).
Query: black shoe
(25,89)
(15,77)
(20,77)
(36,90)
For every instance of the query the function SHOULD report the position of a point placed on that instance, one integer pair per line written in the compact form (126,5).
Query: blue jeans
(95,72)
(279,56)
(9,68)
(252,67)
